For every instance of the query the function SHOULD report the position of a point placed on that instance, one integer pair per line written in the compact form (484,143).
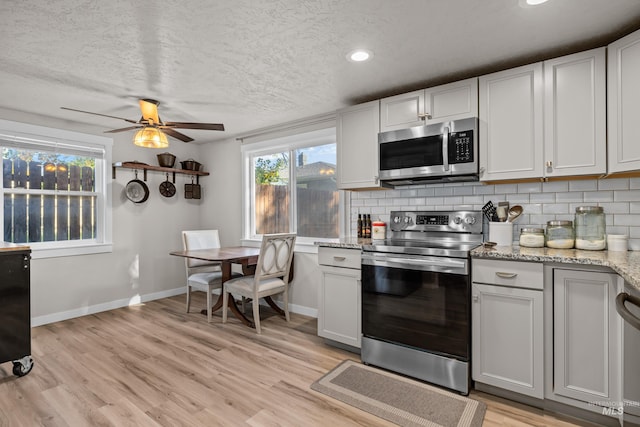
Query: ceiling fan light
(150,137)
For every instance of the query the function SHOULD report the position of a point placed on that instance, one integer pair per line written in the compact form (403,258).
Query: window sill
(44,252)
(301,247)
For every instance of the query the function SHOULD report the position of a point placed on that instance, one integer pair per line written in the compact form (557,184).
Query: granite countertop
(8,247)
(626,264)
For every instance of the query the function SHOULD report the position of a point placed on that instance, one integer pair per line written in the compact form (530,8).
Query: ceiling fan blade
(98,114)
(182,137)
(149,108)
(123,129)
(203,126)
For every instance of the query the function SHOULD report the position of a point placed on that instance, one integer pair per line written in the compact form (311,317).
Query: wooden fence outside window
(45,202)
(318,211)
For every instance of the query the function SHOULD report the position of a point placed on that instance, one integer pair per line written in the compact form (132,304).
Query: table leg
(273,305)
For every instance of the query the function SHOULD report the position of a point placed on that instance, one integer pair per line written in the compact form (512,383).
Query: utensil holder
(501,233)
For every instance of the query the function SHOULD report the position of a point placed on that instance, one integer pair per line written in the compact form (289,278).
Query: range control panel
(449,221)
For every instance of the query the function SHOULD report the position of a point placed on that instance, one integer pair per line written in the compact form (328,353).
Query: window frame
(288,144)
(33,137)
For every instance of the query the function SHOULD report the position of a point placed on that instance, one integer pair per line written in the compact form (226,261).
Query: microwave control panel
(461,147)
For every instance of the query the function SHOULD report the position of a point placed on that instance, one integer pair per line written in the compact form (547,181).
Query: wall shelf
(145,167)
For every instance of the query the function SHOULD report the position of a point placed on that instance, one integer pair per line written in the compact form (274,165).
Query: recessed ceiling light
(359,55)
(535,2)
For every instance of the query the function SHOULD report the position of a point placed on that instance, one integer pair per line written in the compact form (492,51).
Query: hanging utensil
(192,191)
(167,189)
(136,190)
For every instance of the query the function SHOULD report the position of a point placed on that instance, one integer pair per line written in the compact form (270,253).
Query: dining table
(246,257)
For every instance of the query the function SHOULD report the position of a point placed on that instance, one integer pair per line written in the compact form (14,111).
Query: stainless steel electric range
(416,289)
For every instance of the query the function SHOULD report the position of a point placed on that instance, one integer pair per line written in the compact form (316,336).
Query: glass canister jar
(590,228)
(532,237)
(560,234)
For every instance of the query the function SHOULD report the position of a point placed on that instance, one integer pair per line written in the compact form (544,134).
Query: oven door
(417,301)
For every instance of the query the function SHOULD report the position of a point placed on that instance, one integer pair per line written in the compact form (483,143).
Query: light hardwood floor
(155,365)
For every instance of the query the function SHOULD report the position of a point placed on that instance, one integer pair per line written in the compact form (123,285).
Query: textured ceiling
(251,64)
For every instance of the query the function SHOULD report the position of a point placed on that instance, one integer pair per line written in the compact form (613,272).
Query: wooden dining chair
(204,275)
(271,276)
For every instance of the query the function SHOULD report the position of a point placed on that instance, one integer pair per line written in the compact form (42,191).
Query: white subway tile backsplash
(506,188)
(583,185)
(629,220)
(613,184)
(542,202)
(444,191)
(626,196)
(555,208)
(577,196)
(598,196)
(555,186)
(530,187)
(542,198)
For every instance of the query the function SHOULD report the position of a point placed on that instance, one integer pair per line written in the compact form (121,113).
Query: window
(54,190)
(291,186)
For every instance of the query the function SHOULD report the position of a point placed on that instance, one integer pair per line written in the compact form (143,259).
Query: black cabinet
(15,310)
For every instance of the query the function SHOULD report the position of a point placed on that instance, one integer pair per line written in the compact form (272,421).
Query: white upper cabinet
(575,114)
(623,93)
(453,101)
(357,141)
(511,123)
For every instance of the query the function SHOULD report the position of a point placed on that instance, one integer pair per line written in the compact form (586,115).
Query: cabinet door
(623,92)
(453,101)
(507,338)
(357,140)
(402,111)
(585,335)
(15,314)
(511,123)
(339,305)
(575,115)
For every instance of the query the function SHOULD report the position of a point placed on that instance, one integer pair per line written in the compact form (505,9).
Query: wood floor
(155,365)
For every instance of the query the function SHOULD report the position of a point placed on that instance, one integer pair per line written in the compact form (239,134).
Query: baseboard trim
(137,299)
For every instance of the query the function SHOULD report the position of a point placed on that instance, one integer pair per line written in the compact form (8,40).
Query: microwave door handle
(445,149)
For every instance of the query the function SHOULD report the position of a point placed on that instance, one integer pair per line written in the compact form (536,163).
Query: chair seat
(205,278)
(244,286)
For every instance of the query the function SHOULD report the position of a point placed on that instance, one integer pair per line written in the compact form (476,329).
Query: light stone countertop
(626,264)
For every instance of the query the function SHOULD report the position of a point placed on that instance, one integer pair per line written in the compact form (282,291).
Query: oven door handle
(411,263)
(624,311)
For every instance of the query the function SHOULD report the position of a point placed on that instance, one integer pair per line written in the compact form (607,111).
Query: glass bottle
(590,228)
(560,234)
(359,225)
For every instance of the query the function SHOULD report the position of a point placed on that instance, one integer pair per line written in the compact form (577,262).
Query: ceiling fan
(151,119)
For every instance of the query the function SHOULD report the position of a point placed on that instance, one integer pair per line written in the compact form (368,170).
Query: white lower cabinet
(586,338)
(507,326)
(339,299)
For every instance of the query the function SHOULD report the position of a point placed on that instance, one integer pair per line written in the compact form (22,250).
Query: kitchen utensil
(489,211)
(192,191)
(514,213)
(190,165)
(501,211)
(167,189)
(488,245)
(136,190)
(166,160)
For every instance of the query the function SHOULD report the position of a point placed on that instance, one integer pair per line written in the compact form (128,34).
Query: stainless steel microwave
(442,152)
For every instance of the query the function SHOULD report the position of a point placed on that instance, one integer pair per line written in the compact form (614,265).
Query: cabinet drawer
(336,257)
(509,273)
